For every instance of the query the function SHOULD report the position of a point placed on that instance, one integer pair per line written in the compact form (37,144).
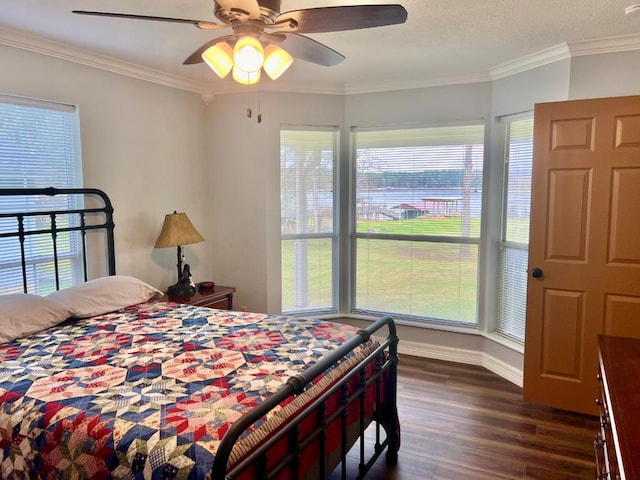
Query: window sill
(471,329)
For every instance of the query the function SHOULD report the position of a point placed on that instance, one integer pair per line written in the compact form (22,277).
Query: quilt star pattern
(148,392)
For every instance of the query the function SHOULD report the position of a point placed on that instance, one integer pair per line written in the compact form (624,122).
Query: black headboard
(91,218)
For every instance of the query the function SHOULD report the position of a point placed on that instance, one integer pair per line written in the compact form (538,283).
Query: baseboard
(470,357)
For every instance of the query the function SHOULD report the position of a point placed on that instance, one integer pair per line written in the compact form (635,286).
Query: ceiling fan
(262,37)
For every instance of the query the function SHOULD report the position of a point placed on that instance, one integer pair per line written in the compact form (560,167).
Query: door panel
(567,226)
(628,131)
(585,238)
(624,242)
(573,134)
(561,356)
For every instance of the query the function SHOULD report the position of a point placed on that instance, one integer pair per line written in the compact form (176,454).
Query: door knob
(537,273)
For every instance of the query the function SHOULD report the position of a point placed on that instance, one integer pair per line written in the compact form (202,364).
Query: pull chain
(250,111)
(259,109)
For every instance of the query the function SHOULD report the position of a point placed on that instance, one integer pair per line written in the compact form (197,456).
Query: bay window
(416,214)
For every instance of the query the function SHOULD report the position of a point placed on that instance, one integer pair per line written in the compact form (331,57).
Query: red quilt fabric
(148,392)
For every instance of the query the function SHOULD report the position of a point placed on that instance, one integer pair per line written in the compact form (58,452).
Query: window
(307,181)
(39,147)
(514,245)
(418,197)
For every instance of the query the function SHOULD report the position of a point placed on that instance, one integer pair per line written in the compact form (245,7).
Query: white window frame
(38,138)
(439,239)
(511,281)
(301,238)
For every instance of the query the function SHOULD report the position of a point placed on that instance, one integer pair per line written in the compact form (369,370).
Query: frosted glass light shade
(276,61)
(246,78)
(219,57)
(248,54)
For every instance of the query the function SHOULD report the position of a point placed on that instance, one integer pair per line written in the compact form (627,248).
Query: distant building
(410,211)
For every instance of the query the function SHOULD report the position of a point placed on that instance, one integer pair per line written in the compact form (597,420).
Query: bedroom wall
(246,203)
(605,75)
(245,187)
(510,95)
(427,106)
(587,76)
(245,180)
(245,159)
(142,143)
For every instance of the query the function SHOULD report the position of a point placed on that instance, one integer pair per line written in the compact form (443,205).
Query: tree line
(436,179)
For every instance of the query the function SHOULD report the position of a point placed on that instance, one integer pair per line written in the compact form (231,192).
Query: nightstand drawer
(225,303)
(218,297)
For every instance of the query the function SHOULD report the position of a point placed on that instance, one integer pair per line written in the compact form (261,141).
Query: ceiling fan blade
(353,17)
(196,57)
(250,7)
(309,50)
(202,24)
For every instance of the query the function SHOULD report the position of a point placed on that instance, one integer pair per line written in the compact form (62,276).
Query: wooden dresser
(617,443)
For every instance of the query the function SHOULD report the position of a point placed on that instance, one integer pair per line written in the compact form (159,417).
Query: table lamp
(177,230)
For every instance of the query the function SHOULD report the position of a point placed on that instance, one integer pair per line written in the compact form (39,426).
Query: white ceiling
(443,41)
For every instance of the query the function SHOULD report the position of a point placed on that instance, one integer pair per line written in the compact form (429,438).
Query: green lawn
(448,226)
(319,268)
(427,279)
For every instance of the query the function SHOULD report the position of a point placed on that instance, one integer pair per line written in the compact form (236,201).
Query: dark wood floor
(462,422)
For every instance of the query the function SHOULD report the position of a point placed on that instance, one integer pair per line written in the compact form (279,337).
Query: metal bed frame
(105,212)
(385,358)
(381,379)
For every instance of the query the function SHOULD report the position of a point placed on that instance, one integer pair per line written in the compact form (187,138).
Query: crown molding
(353,88)
(624,43)
(388,86)
(32,43)
(278,86)
(534,60)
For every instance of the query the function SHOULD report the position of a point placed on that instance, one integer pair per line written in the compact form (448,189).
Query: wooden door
(585,243)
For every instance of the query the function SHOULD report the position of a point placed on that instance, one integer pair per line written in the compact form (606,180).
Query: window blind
(417,214)
(307,186)
(39,147)
(514,246)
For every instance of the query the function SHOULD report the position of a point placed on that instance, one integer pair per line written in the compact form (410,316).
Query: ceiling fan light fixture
(248,54)
(219,57)
(246,78)
(276,61)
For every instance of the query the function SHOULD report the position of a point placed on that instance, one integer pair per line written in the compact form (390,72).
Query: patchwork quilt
(149,391)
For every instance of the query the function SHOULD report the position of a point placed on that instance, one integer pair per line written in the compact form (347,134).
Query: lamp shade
(177,230)
(248,54)
(245,78)
(219,57)
(246,59)
(276,61)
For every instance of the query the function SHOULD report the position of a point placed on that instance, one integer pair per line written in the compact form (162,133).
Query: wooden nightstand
(217,297)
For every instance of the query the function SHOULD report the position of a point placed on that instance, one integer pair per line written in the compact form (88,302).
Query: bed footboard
(326,421)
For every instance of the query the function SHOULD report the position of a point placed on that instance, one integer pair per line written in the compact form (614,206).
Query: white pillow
(23,314)
(104,295)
